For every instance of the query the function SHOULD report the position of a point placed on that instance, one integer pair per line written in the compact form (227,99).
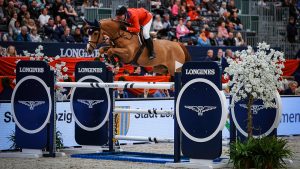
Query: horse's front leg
(121,52)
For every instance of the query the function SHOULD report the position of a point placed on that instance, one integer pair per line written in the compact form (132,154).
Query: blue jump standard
(131,156)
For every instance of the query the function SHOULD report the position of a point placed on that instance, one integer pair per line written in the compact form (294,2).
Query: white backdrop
(145,125)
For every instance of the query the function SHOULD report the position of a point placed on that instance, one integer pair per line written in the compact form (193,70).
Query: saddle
(141,48)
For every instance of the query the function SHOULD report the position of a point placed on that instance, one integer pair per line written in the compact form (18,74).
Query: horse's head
(95,35)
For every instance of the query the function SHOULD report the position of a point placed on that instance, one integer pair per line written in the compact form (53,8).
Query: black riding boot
(149,44)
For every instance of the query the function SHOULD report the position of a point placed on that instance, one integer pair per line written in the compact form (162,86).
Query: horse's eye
(90,31)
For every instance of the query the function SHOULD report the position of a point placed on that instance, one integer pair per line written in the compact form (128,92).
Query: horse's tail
(186,53)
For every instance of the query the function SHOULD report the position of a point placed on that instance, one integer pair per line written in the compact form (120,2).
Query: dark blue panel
(201,126)
(91,104)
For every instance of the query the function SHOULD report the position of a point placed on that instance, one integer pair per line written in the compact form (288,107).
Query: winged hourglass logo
(201,109)
(90,103)
(254,108)
(32,104)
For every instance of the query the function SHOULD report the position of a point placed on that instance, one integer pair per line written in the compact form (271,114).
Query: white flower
(63,63)
(50,60)
(56,57)
(65,69)
(14,81)
(41,47)
(256,73)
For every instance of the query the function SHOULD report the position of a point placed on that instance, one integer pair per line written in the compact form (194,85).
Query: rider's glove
(123,27)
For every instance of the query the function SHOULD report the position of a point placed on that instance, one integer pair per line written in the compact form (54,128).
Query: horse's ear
(96,23)
(88,22)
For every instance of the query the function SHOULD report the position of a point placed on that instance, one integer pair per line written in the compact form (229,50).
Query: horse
(127,46)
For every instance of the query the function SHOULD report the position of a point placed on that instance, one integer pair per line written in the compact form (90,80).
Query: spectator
(70,13)
(202,39)
(192,31)
(78,36)
(120,93)
(22,13)
(3,14)
(230,41)
(11,25)
(229,54)
(209,6)
(157,24)
(11,9)
(159,93)
(60,29)
(175,9)
(137,71)
(26,18)
(24,35)
(239,41)
(57,20)
(210,56)
(34,10)
(49,30)
(193,15)
(236,22)
(231,7)
(44,17)
(224,18)
(146,94)
(223,31)
(220,39)
(7,38)
(291,30)
(34,36)
(181,30)
(67,37)
(95,4)
(222,9)
(167,25)
(55,7)
(61,12)
(11,51)
(297,91)
(31,25)
(212,39)
(291,89)
(85,4)
(16,29)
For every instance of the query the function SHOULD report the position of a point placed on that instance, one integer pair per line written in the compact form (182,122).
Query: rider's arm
(135,28)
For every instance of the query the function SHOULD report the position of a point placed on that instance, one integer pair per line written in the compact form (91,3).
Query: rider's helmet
(121,10)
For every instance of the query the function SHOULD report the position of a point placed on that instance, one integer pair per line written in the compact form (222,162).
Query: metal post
(177,132)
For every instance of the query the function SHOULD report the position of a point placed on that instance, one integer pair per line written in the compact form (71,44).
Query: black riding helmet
(121,10)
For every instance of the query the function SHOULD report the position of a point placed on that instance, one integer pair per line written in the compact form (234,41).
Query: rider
(137,17)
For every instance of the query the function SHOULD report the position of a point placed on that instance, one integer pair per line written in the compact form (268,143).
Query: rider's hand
(123,27)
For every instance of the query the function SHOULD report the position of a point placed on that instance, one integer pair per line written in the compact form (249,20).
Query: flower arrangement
(59,69)
(255,75)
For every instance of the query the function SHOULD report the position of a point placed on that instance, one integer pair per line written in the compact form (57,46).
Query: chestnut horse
(126,45)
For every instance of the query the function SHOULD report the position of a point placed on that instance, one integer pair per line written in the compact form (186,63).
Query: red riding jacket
(137,17)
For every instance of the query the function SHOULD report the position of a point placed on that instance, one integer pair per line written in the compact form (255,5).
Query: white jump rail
(143,111)
(115,85)
(143,138)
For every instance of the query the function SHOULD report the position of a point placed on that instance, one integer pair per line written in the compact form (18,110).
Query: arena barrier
(200,111)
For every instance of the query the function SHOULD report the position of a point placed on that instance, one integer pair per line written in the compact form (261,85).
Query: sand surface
(76,163)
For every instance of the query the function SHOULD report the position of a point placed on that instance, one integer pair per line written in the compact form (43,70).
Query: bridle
(93,44)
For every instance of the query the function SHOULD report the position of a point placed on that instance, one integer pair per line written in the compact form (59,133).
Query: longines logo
(200,109)
(200,71)
(32,104)
(90,70)
(32,69)
(254,108)
(90,103)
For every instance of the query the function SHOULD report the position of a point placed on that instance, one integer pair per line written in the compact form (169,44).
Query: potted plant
(256,75)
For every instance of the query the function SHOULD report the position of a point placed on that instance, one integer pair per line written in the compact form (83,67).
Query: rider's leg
(148,40)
